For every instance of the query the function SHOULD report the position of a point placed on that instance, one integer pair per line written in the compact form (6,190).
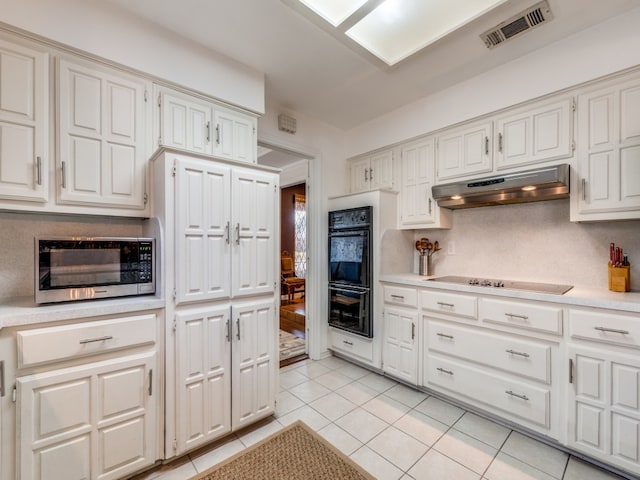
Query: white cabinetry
(201,126)
(464,150)
(83,411)
(534,134)
(24,123)
(417,206)
(372,172)
(607,184)
(220,221)
(103,137)
(401,334)
(604,395)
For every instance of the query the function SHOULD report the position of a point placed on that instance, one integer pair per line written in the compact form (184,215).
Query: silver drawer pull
(98,339)
(612,330)
(515,315)
(448,372)
(398,297)
(522,354)
(443,304)
(347,342)
(517,395)
(444,335)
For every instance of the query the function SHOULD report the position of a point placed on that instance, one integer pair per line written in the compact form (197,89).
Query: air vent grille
(524,21)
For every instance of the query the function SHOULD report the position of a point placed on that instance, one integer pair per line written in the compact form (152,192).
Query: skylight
(393,30)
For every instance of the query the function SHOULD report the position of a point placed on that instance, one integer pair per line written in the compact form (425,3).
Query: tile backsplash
(534,242)
(17,233)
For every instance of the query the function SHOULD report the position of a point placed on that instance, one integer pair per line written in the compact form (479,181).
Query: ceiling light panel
(334,11)
(398,28)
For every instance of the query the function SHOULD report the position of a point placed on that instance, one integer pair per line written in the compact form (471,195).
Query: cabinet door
(186,124)
(235,136)
(400,348)
(93,421)
(102,136)
(203,215)
(464,151)
(255,365)
(609,152)
(203,361)
(381,171)
(359,175)
(24,123)
(535,135)
(253,224)
(604,406)
(418,171)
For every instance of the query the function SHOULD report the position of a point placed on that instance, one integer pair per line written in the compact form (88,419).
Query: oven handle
(350,233)
(359,290)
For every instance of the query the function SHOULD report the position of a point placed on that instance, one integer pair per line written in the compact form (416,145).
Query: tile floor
(393,431)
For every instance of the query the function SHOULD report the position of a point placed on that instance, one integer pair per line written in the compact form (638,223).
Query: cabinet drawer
(528,316)
(342,342)
(606,327)
(401,296)
(522,357)
(451,304)
(64,342)
(521,399)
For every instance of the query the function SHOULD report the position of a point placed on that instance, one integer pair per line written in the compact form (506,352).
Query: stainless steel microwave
(83,268)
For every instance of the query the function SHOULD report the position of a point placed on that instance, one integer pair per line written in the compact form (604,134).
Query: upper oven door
(349,257)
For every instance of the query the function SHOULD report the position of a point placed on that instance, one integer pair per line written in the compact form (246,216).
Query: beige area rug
(290,345)
(294,453)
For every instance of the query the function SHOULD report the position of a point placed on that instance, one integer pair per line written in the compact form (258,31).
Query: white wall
(101,29)
(603,49)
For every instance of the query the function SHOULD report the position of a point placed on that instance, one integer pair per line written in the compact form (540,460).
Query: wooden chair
(290,283)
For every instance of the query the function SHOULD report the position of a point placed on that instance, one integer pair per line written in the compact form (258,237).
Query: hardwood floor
(292,317)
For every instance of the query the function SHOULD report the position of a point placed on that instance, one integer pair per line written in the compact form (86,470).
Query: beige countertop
(578,296)
(21,311)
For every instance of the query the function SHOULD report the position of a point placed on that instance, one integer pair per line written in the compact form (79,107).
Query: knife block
(619,278)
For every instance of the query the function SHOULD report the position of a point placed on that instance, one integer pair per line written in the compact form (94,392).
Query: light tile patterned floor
(393,431)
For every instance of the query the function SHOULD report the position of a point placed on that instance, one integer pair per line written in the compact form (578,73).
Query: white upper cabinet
(202,126)
(534,134)
(24,123)
(103,116)
(373,172)
(418,209)
(607,185)
(464,150)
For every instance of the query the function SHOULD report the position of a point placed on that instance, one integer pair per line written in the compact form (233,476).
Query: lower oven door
(350,309)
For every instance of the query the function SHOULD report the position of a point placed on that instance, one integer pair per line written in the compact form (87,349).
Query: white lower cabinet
(400,345)
(226,368)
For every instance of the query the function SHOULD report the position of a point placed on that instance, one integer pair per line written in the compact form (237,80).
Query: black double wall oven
(350,270)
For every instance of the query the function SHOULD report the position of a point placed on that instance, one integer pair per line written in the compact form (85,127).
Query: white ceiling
(309,71)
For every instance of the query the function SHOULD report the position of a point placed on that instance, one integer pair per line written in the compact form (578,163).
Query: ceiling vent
(524,21)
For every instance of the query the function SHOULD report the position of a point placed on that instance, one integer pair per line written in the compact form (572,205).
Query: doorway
(294,291)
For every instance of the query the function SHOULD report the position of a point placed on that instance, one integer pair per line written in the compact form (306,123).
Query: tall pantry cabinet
(219,222)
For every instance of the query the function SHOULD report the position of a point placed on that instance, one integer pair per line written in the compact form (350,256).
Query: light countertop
(578,296)
(20,311)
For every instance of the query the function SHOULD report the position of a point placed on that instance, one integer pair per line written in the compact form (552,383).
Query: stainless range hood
(546,183)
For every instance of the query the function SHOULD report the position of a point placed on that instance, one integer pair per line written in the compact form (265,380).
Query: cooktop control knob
(485,283)
(498,283)
(474,281)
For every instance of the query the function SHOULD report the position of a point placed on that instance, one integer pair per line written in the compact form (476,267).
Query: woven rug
(294,453)
(290,345)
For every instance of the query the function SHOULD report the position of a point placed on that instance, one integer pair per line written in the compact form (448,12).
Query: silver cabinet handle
(98,339)
(500,142)
(228,330)
(448,372)
(413,331)
(347,342)
(208,132)
(226,233)
(443,304)
(237,234)
(398,297)
(238,327)
(64,174)
(444,335)
(39,170)
(2,391)
(371,174)
(150,382)
(521,354)
(515,315)
(517,395)
(584,190)
(486,145)
(366,174)
(218,134)
(611,330)
(430,205)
